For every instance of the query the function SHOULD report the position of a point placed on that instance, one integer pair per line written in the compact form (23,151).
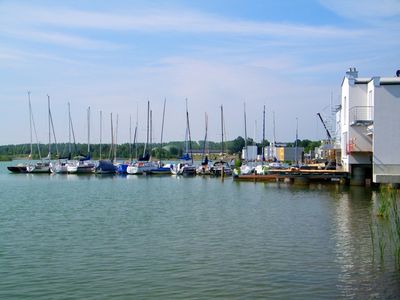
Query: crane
(331,163)
(326,129)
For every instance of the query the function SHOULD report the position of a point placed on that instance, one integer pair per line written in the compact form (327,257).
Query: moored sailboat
(143,164)
(84,165)
(61,166)
(44,165)
(161,169)
(106,166)
(186,166)
(21,167)
(221,167)
(204,168)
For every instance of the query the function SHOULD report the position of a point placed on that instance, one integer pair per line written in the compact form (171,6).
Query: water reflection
(188,237)
(358,274)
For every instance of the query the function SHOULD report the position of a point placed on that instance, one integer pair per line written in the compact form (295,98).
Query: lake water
(138,237)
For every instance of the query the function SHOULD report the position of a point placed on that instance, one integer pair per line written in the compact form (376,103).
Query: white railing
(361,115)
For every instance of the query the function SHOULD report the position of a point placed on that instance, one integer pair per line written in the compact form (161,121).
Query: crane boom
(326,129)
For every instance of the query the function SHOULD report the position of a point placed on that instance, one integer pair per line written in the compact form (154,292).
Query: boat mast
(263,138)
(147,138)
(30,123)
(52,127)
(205,139)
(188,131)
(48,116)
(245,131)
(116,139)
(88,122)
(274,136)
(222,130)
(130,138)
(134,140)
(72,130)
(151,130)
(162,129)
(136,127)
(69,131)
(101,131)
(112,139)
(297,137)
(34,128)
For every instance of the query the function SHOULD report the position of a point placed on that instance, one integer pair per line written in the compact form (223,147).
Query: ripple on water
(187,238)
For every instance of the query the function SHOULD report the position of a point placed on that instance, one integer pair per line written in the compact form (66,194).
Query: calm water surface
(138,237)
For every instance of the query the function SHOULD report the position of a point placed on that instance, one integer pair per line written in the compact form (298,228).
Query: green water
(138,237)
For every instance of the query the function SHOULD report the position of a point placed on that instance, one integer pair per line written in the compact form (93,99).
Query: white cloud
(291,68)
(57,38)
(364,10)
(163,20)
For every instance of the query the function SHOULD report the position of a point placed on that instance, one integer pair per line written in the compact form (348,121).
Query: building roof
(361,80)
(382,80)
(390,80)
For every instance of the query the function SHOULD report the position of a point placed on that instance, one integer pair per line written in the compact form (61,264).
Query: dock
(298,176)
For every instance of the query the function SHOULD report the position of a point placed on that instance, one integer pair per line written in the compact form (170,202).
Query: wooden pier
(298,176)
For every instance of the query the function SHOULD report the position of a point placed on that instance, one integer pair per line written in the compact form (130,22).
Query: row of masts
(114,133)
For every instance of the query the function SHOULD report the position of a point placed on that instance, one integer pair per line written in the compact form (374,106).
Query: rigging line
(134,142)
(34,130)
(112,138)
(88,120)
(162,128)
(130,137)
(48,112)
(245,130)
(69,132)
(73,133)
(222,130)
(116,139)
(30,121)
(54,132)
(188,130)
(101,132)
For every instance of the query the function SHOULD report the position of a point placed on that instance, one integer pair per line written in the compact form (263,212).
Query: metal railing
(361,115)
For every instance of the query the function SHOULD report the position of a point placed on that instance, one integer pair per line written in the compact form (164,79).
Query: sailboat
(221,167)
(162,169)
(84,165)
(61,166)
(262,169)
(186,166)
(106,166)
(44,165)
(245,168)
(122,167)
(131,162)
(22,168)
(144,163)
(204,168)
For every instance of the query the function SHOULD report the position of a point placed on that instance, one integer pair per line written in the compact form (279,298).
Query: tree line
(170,150)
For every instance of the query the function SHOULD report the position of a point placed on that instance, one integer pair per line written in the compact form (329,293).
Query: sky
(114,56)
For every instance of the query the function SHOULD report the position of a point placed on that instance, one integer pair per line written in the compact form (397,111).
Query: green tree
(236,145)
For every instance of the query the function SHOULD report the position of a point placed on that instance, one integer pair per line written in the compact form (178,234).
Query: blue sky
(114,56)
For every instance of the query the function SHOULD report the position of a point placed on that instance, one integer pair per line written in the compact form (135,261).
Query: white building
(369,123)
(249,154)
